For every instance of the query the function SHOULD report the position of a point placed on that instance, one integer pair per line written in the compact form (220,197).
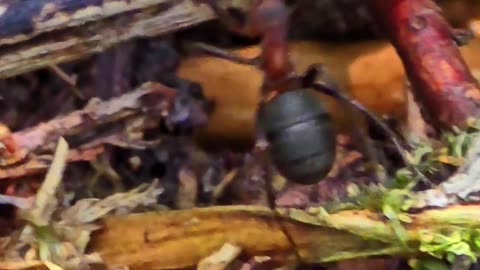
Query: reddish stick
(442,83)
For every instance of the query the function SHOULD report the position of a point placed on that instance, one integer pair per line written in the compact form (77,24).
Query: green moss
(450,243)
(394,199)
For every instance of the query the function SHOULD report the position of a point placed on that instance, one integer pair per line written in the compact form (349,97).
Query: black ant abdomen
(300,134)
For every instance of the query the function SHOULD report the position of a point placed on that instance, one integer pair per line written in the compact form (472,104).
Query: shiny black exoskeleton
(300,134)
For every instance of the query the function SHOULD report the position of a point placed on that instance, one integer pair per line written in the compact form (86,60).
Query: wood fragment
(71,31)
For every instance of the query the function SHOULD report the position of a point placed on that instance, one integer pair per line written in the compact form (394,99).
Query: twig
(441,81)
(72,82)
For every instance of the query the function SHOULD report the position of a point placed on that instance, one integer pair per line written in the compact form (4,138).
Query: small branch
(71,81)
(441,81)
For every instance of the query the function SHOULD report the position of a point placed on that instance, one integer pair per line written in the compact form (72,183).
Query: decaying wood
(24,20)
(35,34)
(441,81)
(177,239)
(125,116)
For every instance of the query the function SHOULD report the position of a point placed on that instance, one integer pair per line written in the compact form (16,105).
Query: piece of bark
(441,82)
(25,20)
(36,34)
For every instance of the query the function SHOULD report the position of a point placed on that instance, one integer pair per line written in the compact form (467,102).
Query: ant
(292,120)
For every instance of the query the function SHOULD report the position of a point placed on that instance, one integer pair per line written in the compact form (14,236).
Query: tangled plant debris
(98,173)
(59,235)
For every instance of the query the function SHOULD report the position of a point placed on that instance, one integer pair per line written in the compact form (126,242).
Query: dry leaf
(89,210)
(63,242)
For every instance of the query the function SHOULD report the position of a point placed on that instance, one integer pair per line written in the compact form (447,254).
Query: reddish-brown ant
(289,109)
(290,117)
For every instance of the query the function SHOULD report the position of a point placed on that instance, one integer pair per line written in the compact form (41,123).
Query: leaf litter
(57,237)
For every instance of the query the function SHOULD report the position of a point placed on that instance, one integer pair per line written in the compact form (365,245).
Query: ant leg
(319,71)
(260,150)
(221,53)
(309,81)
